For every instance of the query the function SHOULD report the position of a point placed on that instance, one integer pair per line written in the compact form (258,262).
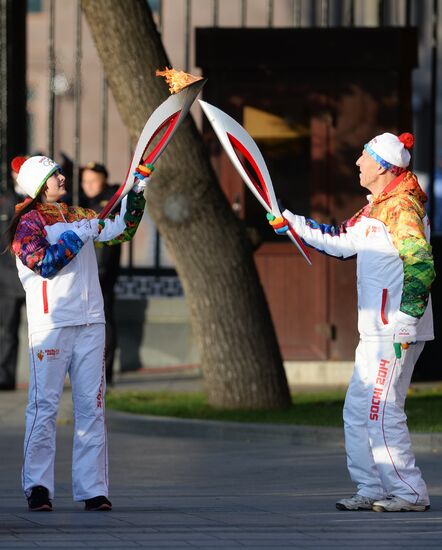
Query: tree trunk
(240,356)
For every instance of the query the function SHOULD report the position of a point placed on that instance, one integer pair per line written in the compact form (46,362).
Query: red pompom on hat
(407,139)
(17,163)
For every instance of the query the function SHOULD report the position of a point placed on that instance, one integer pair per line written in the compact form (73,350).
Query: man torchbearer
(390,239)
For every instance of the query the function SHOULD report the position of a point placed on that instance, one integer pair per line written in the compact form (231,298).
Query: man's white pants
(79,351)
(379,455)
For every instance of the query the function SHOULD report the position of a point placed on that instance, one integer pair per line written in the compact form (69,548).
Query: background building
(311,80)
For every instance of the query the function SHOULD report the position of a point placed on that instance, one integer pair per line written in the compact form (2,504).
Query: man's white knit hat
(390,151)
(34,172)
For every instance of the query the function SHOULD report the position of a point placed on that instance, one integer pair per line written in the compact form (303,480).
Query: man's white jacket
(390,239)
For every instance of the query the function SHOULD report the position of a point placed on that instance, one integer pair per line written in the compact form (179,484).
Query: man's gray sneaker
(397,504)
(356,502)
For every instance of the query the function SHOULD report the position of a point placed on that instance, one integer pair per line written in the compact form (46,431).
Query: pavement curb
(328,437)
(214,429)
(427,441)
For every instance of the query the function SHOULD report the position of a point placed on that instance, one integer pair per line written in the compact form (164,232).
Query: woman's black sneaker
(39,501)
(98,504)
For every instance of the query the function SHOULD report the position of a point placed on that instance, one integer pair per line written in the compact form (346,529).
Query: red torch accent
(260,185)
(150,159)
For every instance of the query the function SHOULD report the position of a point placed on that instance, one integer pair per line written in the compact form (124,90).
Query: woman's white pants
(79,352)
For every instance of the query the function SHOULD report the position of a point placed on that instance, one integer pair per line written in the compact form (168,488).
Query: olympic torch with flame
(166,119)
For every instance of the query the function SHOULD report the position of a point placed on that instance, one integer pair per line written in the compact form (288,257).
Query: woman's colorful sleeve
(34,251)
(132,218)
(407,230)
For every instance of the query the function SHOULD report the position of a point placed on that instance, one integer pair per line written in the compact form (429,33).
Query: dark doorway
(311,98)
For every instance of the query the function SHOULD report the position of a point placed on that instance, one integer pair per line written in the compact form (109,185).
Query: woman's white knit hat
(390,151)
(34,172)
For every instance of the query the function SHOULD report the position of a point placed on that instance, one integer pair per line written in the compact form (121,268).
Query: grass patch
(424,408)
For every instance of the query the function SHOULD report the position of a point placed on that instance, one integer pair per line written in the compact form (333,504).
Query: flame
(177,80)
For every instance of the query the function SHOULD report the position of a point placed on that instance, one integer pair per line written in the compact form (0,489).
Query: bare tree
(240,356)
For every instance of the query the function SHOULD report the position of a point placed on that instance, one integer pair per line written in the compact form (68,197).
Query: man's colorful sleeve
(407,230)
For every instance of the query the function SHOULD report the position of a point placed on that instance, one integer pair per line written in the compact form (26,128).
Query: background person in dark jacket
(12,296)
(95,192)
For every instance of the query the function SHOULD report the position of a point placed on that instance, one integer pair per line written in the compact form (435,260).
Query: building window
(34,6)
(154,5)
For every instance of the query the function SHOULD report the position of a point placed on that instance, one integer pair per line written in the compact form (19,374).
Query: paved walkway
(206,488)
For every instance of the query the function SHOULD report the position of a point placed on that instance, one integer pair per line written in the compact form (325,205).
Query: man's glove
(88,229)
(279,224)
(404,332)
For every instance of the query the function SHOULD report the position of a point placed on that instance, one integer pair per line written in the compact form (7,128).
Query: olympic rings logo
(47,162)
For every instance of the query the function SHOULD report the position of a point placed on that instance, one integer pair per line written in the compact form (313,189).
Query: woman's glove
(141,185)
(142,173)
(88,229)
(279,224)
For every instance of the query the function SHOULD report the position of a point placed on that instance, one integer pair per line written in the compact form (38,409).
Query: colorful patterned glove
(279,224)
(404,332)
(142,173)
